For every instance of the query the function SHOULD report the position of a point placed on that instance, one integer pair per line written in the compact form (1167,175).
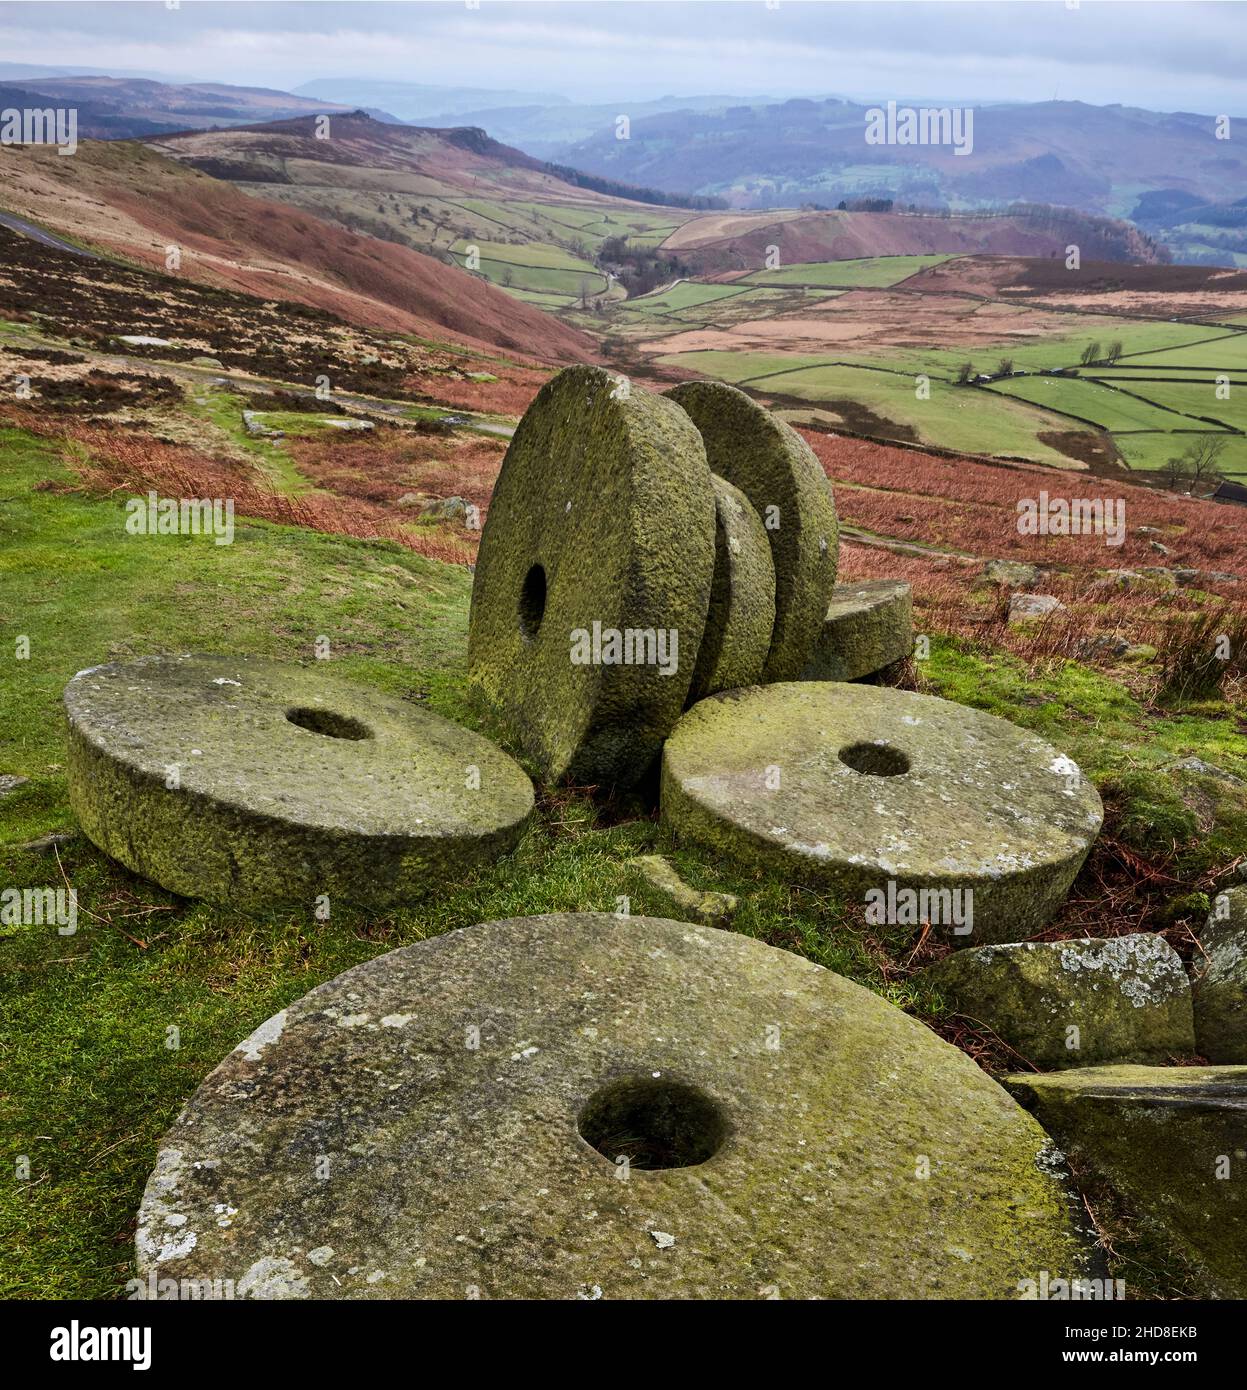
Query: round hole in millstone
(532,602)
(653,1123)
(329,724)
(874,759)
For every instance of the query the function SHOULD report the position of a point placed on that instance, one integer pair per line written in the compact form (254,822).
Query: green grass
(1195,398)
(1151,451)
(90,1080)
(1223,352)
(1103,405)
(875,272)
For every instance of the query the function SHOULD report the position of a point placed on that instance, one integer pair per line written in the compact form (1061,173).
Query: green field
(1089,400)
(875,272)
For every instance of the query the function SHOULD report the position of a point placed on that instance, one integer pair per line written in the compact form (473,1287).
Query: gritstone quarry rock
(871,790)
(781,476)
(1219,972)
(1076,1003)
(245,781)
(711,909)
(741,617)
(868,626)
(593,578)
(588,1106)
(1172,1140)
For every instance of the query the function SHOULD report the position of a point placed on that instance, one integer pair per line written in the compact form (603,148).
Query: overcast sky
(1188,55)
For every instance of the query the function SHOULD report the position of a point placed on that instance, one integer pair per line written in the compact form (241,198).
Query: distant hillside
(131,201)
(1096,159)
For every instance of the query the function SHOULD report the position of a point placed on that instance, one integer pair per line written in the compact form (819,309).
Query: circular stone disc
(593,578)
(865,786)
(248,782)
(778,472)
(444,1122)
(742,598)
(868,626)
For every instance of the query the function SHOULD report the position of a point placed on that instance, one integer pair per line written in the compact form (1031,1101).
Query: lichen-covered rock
(737,637)
(249,782)
(593,578)
(1025,608)
(689,904)
(1219,974)
(592,1106)
(781,476)
(1076,1003)
(1172,1140)
(868,626)
(881,791)
(1014,574)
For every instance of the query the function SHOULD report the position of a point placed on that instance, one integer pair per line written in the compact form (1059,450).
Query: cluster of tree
(1196,464)
(865,205)
(578,179)
(640,268)
(1092,353)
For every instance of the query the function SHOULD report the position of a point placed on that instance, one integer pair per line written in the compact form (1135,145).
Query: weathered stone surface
(690,904)
(599,544)
(781,476)
(863,786)
(10,781)
(1029,607)
(776,1118)
(248,782)
(1219,975)
(1126,998)
(1172,1140)
(868,626)
(1014,574)
(737,638)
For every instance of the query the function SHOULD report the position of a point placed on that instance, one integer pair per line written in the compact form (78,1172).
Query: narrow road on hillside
(19,224)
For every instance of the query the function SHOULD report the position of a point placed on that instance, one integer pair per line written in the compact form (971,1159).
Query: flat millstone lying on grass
(1076,1003)
(1171,1140)
(863,787)
(868,626)
(247,781)
(444,1122)
(598,547)
(781,476)
(741,617)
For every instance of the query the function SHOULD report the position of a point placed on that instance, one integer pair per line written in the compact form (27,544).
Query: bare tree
(1091,353)
(964,373)
(1115,350)
(1197,463)
(1005,366)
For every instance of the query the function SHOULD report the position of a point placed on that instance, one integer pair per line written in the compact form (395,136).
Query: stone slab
(597,548)
(868,626)
(445,1122)
(250,782)
(781,476)
(1219,978)
(872,790)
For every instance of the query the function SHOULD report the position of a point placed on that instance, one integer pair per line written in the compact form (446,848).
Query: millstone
(741,617)
(589,1106)
(778,472)
(868,626)
(593,578)
(872,790)
(246,781)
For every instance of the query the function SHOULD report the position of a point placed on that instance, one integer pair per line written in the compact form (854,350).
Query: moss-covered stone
(1076,1003)
(444,1122)
(737,638)
(875,790)
(781,476)
(688,904)
(1172,1140)
(248,782)
(1219,972)
(593,578)
(868,626)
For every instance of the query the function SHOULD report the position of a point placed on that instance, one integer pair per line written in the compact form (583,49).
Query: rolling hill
(132,202)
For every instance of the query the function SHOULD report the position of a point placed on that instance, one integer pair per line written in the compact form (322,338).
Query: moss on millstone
(599,543)
(471,1095)
(741,617)
(867,788)
(868,626)
(1220,980)
(781,476)
(711,909)
(248,782)
(1076,1003)
(1171,1140)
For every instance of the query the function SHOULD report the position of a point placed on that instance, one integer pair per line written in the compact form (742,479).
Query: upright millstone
(778,472)
(917,808)
(593,578)
(742,598)
(592,1106)
(869,625)
(248,782)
